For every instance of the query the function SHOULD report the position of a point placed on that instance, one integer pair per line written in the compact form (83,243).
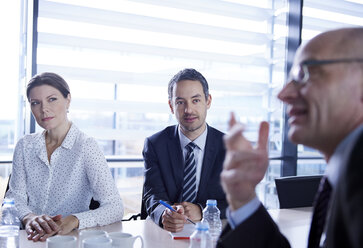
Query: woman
(57,172)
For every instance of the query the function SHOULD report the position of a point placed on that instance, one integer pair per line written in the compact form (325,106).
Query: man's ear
(209,101)
(171,106)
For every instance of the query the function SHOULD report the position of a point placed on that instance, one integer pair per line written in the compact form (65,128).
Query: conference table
(293,223)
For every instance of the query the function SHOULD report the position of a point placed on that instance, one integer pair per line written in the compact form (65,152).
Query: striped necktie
(190,180)
(320,211)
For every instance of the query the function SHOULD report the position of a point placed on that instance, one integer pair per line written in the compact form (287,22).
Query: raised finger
(263,136)
(232,121)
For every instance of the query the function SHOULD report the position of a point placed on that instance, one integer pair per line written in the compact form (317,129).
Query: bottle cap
(211,202)
(8,201)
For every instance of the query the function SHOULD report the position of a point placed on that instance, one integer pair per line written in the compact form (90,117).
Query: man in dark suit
(324,98)
(183,162)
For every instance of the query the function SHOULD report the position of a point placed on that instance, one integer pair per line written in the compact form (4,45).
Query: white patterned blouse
(77,172)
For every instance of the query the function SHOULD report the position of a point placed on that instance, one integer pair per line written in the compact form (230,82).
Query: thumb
(180,209)
(263,136)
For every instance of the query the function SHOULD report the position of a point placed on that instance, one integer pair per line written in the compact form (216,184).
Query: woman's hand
(68,224)
(40,227)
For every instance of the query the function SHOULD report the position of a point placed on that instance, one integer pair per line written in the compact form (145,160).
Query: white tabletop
(293,223)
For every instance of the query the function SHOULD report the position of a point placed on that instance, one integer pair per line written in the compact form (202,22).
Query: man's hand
(244,166)
(192,211)
(174,221)
(40,227)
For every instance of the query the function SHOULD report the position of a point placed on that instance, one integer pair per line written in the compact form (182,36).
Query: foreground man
(324,98)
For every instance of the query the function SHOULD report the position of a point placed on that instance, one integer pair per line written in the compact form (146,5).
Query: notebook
(185,233)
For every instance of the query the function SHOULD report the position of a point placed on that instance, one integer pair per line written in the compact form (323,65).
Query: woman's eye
(52,99)
(34,103)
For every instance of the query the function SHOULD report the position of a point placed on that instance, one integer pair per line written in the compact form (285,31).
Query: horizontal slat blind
(118,57)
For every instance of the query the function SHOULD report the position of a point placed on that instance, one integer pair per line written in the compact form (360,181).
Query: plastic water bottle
(201,238)
(211,214)
(10,225)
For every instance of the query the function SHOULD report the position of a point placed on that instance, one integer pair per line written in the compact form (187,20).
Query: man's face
(190,107)
(323,110)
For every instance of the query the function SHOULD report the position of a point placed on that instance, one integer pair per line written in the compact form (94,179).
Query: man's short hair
(188,74)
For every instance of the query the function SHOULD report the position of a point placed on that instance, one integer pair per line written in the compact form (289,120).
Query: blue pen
(172,209)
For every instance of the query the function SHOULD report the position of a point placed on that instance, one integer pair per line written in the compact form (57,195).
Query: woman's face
(49,106)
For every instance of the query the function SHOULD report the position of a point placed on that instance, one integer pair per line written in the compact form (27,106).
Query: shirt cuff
(85,220)
(159,209)
(237,217)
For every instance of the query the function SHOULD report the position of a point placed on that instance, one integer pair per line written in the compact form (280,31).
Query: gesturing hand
(244,166)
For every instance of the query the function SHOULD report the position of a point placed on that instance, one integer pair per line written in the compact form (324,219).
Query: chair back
(297,191)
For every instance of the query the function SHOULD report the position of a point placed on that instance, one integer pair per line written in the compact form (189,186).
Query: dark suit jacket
(345,219)
(164,171)
(345,228)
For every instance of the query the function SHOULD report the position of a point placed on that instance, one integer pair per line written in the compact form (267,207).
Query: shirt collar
(341,156)
(70,138)
(200,141)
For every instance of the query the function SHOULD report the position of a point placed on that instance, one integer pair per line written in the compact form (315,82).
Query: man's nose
(188,109)
(288,92)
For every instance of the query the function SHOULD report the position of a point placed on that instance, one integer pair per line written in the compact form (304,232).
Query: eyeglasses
(301,74)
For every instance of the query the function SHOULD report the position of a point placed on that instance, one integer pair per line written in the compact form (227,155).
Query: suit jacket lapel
(210,155)
(176,159)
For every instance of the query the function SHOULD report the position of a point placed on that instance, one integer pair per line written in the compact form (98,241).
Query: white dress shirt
(77,171)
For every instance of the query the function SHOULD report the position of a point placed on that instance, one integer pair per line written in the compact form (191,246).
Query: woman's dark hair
(51,79)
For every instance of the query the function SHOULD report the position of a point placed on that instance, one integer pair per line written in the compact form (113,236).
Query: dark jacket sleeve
(154,187)
(259,230)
